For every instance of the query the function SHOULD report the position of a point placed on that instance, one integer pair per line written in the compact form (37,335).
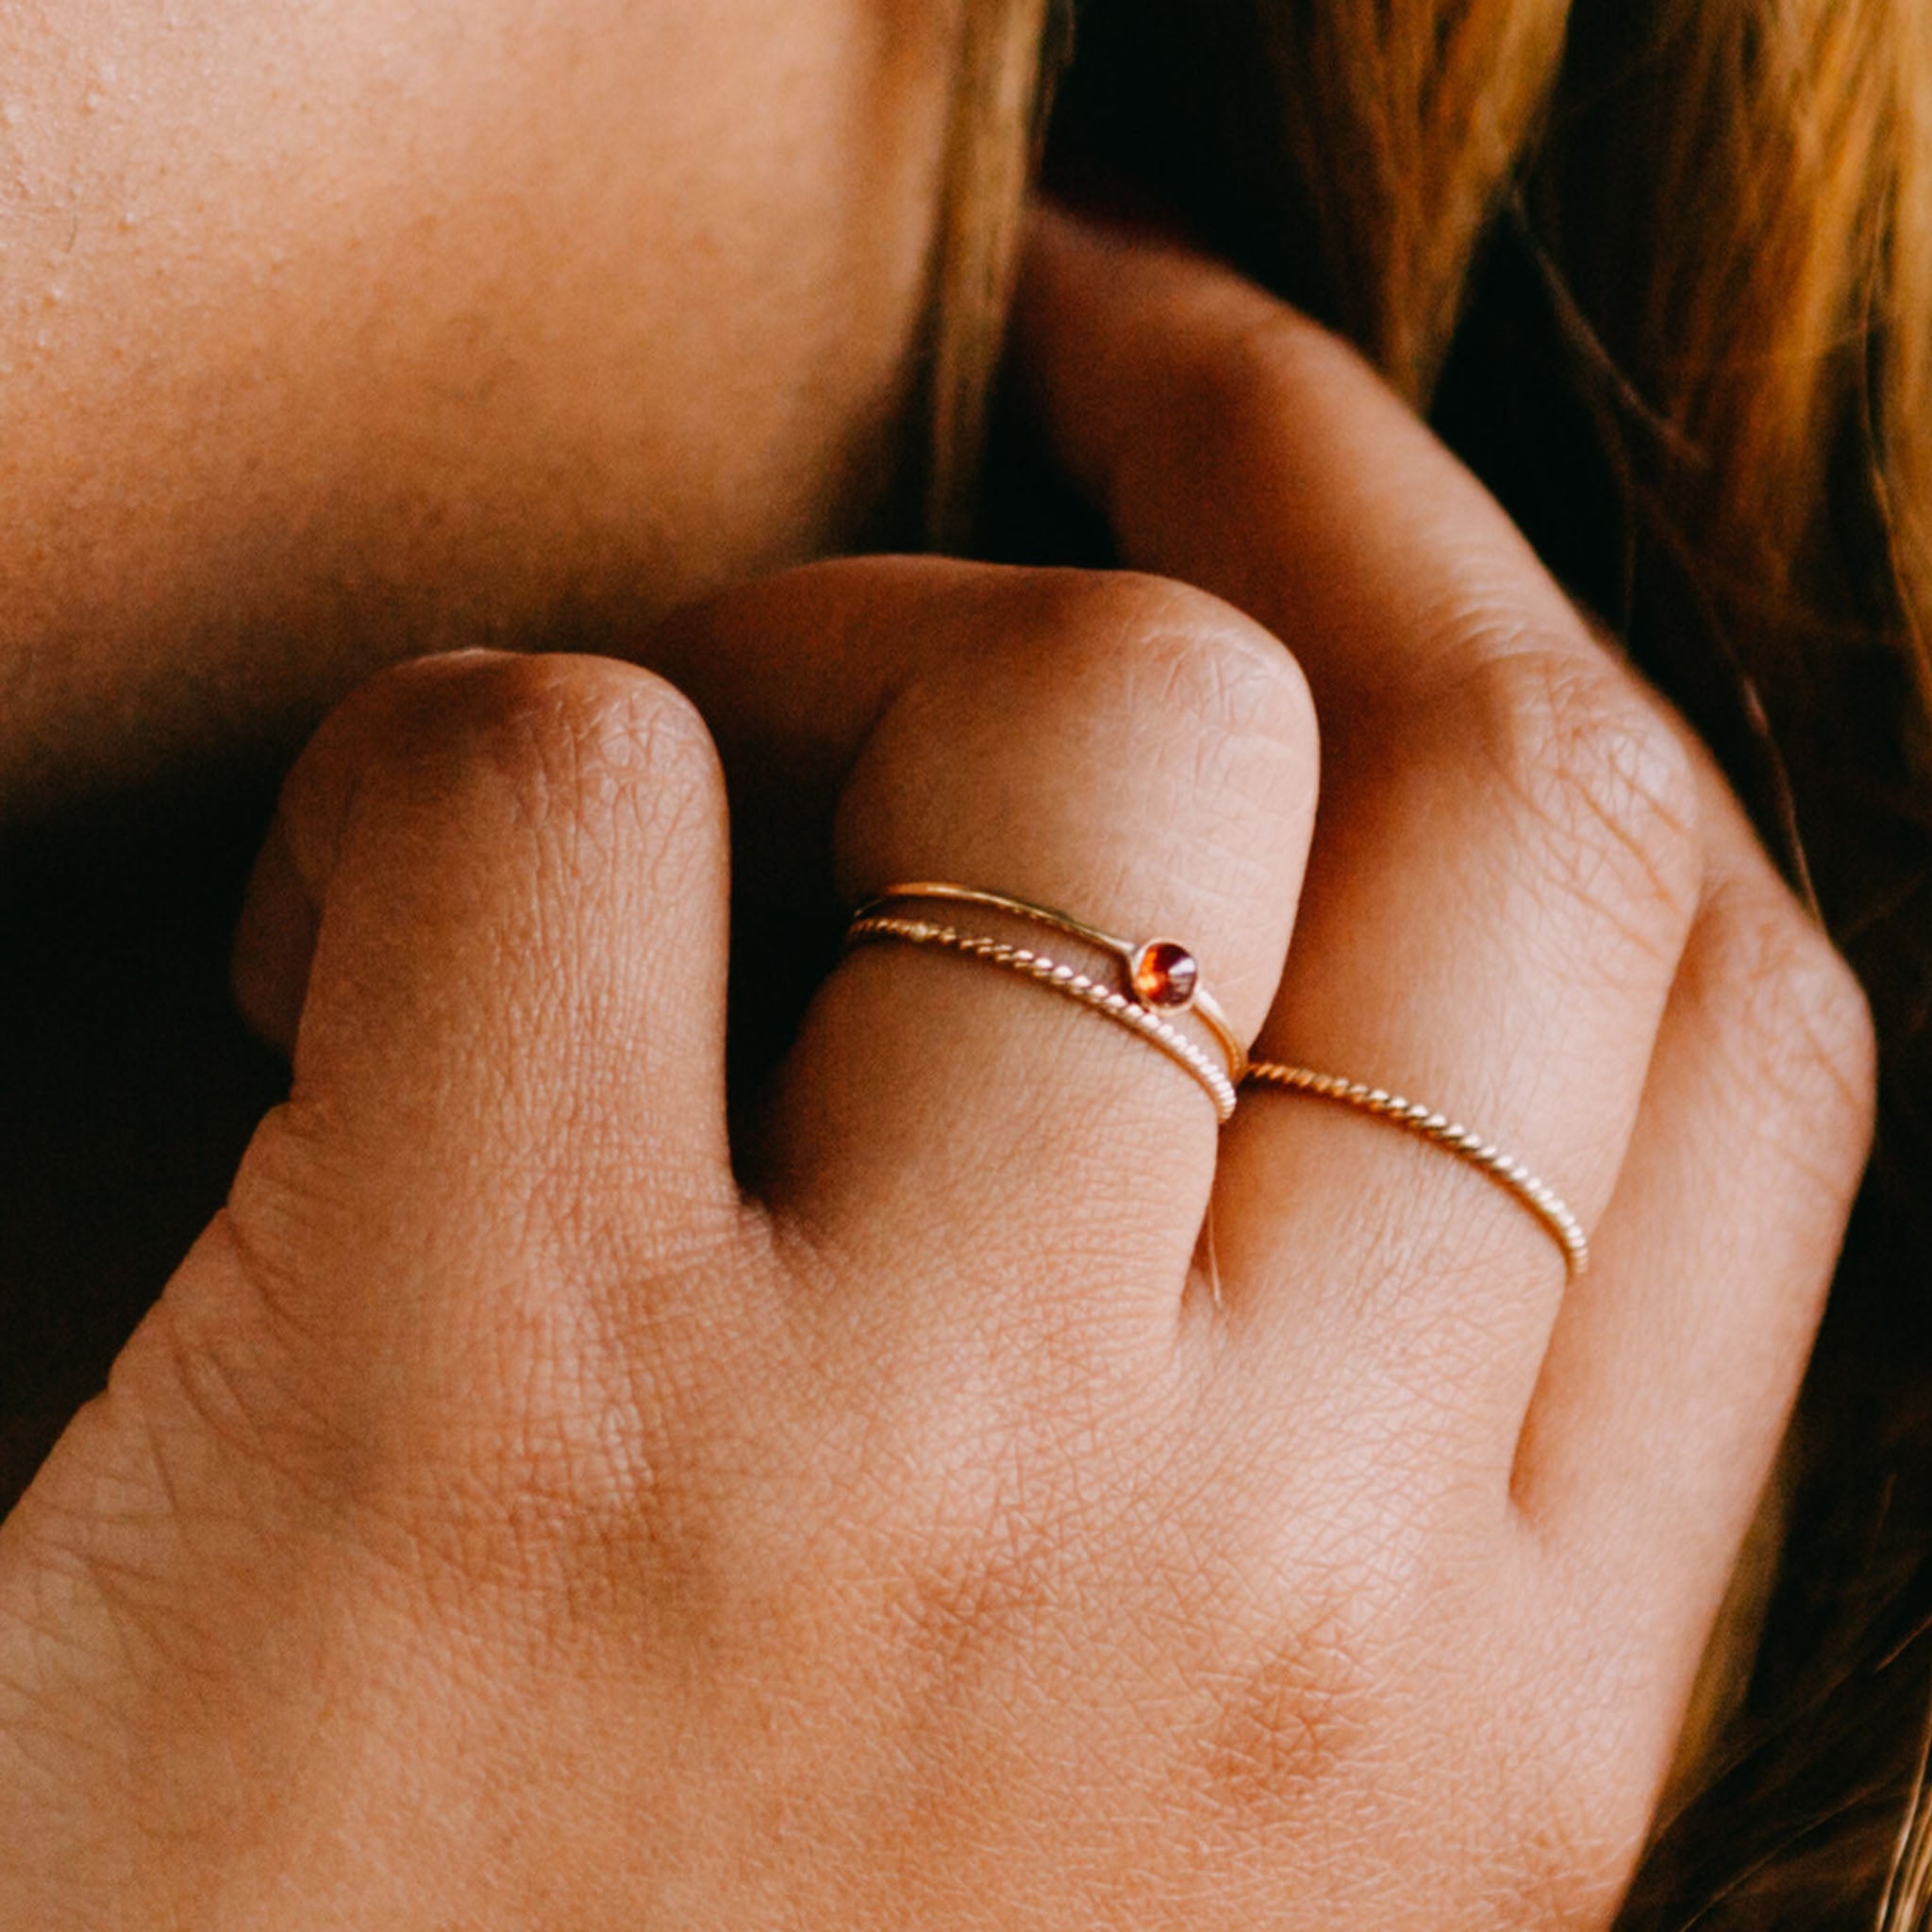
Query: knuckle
(1186,654)
(1600,783)
(567,731)
(1257,367)
(489,736)
(969,1506)
(572,759)
(960,1562)
(962,1596)
(1290,1725)
(1795,1020)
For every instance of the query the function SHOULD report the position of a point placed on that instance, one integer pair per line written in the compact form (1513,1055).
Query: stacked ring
(1161,978)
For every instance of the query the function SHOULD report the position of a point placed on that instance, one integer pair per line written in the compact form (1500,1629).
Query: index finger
(1238,445)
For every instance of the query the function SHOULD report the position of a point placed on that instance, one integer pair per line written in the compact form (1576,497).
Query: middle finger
(1129,750)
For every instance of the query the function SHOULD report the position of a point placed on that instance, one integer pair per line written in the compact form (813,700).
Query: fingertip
(1086,242)
(1060,327)
(1129,344)
(1068,261)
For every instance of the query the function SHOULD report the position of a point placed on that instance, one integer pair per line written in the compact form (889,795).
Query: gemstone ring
(1161,978)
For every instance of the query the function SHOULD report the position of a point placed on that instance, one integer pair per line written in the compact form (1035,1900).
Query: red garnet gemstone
(1166,975)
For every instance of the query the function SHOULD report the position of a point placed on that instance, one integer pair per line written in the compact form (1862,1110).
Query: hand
(502,1520)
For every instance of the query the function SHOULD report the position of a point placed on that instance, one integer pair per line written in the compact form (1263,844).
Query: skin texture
(986,1495)
(335,333)
(331,334)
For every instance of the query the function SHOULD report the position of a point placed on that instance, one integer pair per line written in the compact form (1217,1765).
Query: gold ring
(1507,1173)
(1162,977)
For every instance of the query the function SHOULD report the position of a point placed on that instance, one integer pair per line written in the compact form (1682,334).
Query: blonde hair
(1008,55)
(1695,236)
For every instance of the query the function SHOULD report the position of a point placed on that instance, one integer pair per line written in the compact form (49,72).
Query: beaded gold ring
(1452,1136)
(1161,977)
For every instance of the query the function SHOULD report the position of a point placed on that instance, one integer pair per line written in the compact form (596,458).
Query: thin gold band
(1199,1002)
(1060,977)
(1507,1171)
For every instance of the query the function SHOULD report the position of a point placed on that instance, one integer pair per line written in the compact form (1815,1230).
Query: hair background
(1661,271)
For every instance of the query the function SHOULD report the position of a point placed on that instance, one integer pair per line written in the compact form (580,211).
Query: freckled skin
(333,333)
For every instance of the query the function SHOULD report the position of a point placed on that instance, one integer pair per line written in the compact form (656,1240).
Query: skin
(977,1491)
(334,334)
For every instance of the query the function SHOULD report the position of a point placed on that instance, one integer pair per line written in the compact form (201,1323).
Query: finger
(1127,750)
(495,896)
(274,944)
(1671,1371)
(1506,861)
